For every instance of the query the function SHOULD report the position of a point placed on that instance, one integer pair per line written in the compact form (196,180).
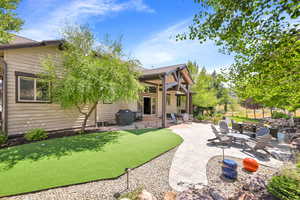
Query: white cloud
(162,49)
(76,11)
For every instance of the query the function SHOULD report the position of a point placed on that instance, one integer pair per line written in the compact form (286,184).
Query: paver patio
(189,162)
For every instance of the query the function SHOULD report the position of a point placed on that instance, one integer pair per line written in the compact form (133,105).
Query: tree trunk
(246,113)
(263,112)
(254,112)
(225,107)
(271,109)
(86,116)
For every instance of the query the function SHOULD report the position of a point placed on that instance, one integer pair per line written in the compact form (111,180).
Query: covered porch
(168,94)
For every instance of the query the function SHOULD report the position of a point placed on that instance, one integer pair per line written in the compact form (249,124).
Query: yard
(78,159)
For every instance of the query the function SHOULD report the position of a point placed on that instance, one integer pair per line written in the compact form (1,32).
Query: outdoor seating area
(258,138)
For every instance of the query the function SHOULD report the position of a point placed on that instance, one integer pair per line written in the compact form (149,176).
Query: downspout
(4,98)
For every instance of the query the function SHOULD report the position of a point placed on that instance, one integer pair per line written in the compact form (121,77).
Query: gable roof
(151,74)
(162,70)
(16,39)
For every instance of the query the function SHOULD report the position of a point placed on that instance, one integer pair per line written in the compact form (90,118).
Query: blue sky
(148,27)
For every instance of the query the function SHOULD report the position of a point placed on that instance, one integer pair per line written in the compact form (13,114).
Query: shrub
(3,137)
(200,117)
(284,188)
(278,115)
(286,185)
(36,134)
(132,195)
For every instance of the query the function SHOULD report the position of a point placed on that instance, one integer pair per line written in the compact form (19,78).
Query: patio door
(147,106)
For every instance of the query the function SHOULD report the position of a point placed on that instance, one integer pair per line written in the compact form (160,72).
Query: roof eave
(31,44)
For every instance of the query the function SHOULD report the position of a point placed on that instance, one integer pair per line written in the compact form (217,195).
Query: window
(168,99)
(32,89)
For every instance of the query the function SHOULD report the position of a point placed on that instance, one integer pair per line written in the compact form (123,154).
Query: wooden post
(164,101)
(191,104)
(187,100)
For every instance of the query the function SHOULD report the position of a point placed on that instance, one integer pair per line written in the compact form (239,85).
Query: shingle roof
(162,70)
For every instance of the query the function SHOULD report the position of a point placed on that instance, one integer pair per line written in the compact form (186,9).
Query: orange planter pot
(250,164)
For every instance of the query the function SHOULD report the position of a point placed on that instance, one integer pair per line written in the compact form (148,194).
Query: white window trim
(34,91)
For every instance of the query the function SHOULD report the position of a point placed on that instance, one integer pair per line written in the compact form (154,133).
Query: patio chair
(262,131)
(224,127)
(222,139)
(260,143)
(236,127)
(174,119)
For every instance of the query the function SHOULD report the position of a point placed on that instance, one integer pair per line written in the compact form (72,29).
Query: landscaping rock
(170,196)
(215,194)
(255,184)
(200,193)
(145,195)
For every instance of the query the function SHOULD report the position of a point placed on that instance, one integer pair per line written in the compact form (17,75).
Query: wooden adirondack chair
(260,143)
(221,139)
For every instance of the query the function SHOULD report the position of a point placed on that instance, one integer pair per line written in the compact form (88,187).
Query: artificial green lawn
(78,159)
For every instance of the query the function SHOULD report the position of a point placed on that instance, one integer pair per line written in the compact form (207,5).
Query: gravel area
(215,179)
(152,176)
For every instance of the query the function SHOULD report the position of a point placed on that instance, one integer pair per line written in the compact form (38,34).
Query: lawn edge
(105,179)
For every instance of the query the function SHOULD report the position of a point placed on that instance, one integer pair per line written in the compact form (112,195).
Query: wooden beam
(175,76)
(179,80)
(150,83)
(183,88)
(164,101)
(170,85)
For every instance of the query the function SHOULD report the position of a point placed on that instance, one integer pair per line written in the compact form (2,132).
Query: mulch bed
(229,187)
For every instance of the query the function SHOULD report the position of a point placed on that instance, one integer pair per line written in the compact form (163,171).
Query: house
(26,100)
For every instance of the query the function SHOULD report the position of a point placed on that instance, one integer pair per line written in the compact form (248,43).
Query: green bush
(284,188)
(286,185)
(36,134)
(279,115)
(3,137)
(200,117)
(132,195)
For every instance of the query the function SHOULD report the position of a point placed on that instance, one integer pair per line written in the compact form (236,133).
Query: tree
(264,37)
(9,21)
(222,92)
(243,27)
(233,105)
(193,68)
(205,93)
(89,73)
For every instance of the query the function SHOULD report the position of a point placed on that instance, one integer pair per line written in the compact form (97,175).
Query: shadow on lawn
(142,131)
(56,148)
